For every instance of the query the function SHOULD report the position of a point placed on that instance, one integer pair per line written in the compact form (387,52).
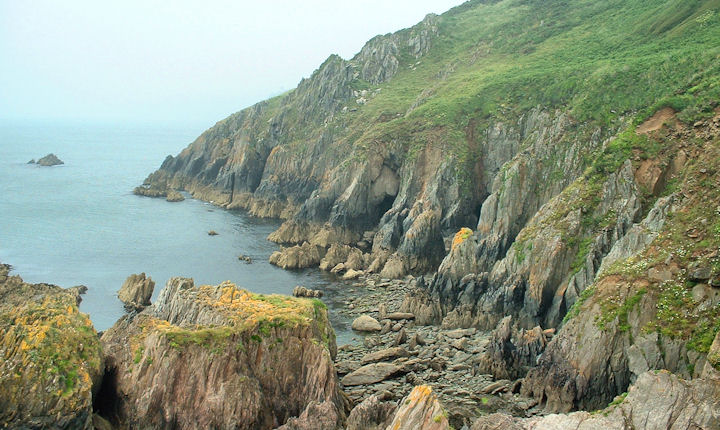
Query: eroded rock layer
(221,357)
(50,356)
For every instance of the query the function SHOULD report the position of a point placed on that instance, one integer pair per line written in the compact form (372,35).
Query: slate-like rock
(366,323)
(371,373)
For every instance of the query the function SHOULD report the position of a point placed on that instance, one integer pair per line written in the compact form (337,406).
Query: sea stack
(49,160)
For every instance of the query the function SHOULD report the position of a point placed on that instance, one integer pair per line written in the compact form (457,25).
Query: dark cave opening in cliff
(105,403)
(384,206)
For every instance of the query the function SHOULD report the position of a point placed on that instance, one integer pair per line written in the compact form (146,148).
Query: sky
(176,61)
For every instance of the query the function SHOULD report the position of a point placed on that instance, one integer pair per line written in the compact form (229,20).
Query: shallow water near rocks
(80,224)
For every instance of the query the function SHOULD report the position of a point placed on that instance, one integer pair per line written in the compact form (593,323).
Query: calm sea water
(80,224)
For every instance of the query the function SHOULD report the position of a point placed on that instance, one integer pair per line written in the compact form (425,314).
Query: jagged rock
(532,282)
(384,355)
(400,338)
(366,323)
(336,254)
(136,292)
(511,351)
(352,274)
(699,272)
(252,362)
(173,196)
(371,373)
(658,400)
(316,416)
(51,357)
(300,291)
(296,257)
(212,233)
(371,414)
(382,310)
(49,160)
(420,410)
(31,161)
(394,268)
(711,369)
(355,260)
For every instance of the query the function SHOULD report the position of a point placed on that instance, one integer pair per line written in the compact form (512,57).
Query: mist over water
(80,224)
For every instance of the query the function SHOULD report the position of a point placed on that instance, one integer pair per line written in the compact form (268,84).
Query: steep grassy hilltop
(537,160)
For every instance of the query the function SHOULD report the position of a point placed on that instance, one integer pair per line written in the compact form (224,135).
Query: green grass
(612,309)
(491,62)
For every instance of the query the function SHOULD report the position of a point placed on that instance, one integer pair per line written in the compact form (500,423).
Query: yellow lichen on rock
(461,236)
(51,352)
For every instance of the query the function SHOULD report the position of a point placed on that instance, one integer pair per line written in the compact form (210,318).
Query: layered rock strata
(50,357)
(226,358)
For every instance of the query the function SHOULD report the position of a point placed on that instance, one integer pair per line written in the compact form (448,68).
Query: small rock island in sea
(47,161)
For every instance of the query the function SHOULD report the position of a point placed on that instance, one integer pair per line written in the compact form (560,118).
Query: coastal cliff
(542,171)
(221,357)
(50,356)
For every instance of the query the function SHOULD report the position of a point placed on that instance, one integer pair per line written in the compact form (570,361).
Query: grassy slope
(599,59)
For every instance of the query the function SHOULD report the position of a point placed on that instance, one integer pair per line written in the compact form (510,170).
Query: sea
(80,224)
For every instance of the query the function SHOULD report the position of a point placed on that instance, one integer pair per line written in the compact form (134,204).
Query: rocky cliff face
(452,149)
(653,305)
(218,356)
(50,357)
(658,400)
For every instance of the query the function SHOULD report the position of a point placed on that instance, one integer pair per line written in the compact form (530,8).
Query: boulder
(420,410)
(212,233)
(49,160)
(400,316)
(384,355)
(371,414)
(366,323)
(297,257)
(699,272)
(712,362)
(316,416)
(371,373)
(136,292)
(352,274)
(300,291)
(174,196)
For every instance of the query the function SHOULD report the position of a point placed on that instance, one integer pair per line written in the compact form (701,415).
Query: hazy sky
(181,60)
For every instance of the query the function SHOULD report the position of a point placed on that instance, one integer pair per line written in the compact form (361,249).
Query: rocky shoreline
(390,362)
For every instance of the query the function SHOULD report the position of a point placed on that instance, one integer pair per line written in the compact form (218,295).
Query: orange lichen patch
(420,393)
(243,307)
(461,236)
(246,314)
(47,341)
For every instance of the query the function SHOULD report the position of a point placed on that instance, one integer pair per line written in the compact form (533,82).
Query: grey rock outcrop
(371,414)
(420,410)
(136,291)
(49,160)
(658,400)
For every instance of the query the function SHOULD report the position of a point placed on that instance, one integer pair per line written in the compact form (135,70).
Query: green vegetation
(42,338)
(598,60)
(612,309)
(575,309)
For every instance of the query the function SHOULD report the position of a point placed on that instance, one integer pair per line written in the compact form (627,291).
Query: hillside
(535,160)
